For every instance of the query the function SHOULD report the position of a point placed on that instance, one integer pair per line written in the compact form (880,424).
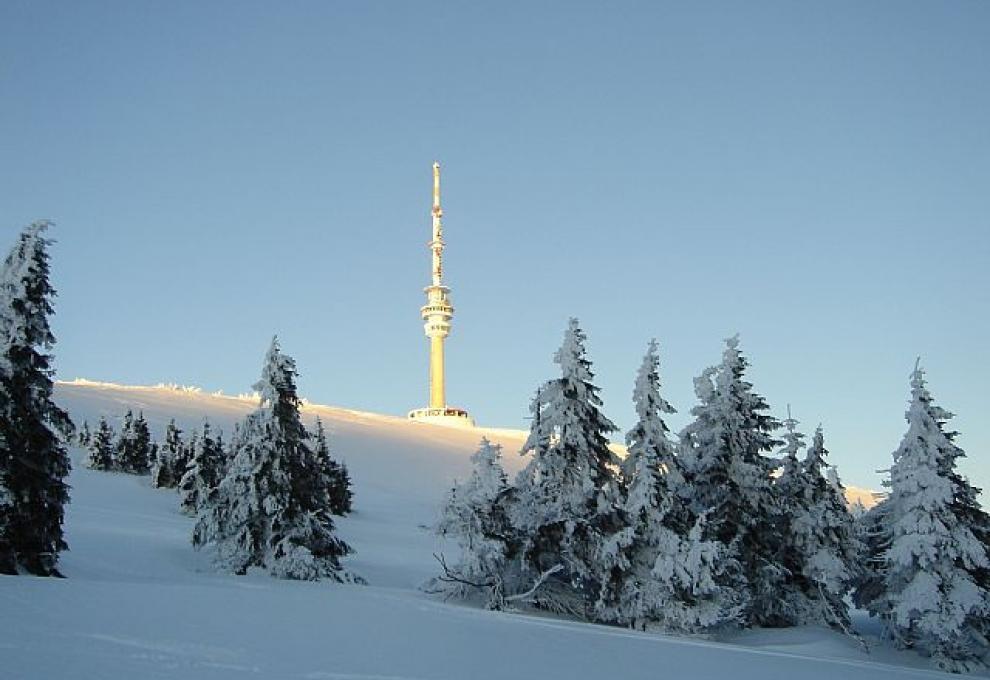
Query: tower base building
(437,314)
(455,417)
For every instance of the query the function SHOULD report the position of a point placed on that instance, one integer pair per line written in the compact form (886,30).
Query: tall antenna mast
(436,245)
(437,313)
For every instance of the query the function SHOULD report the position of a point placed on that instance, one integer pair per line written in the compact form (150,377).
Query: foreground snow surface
(138,602)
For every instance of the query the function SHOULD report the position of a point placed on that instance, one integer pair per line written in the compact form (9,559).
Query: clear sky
(814,176)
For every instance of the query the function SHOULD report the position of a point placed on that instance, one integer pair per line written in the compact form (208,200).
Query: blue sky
(814,176)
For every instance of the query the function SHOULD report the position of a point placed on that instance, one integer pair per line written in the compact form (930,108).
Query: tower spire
(437,314)
(436,245)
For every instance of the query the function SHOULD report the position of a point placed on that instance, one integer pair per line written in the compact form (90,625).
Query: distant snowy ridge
(439,454)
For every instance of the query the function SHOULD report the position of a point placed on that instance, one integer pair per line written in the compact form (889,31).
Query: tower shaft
(438,396)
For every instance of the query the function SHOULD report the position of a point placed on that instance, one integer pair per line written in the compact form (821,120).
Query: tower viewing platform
(437,313)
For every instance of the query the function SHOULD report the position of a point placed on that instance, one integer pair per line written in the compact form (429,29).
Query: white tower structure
(437,314)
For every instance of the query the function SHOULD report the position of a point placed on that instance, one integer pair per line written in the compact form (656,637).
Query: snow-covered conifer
(128,454)
(693,576)
(341,493)
(222,458)
(474,516)
(185,455)
(929,586)
(163,472)
(84,435)
(651,579)
(649,470)
(101,448)
(832,541)
(230,449)
(790,478)
(791,606)
(263,513)
(832,475)
(202,473)
(820,545)
(33,459)
(334,478)
(872,529)
(568,494)
(651,463)
(143,449)
(729,480)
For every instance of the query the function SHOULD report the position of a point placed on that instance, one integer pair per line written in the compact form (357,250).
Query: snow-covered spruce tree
(832,540)
(334,478)
(152,456)
(33,458)
(129,456)
(146,440)
(664,569)
(124,446)
(929,587)
(184,456)
(101,448)
(820,547)
(143,446)
(568,496)
(629,593)
(163,472)
(872,529)
(645,585)
(729,481)
(651,460)
(202,473)
(832,475)
(230,448)
(341,493)
(474,516)
(263,514)
(84,436)
(791,606)
(222,460)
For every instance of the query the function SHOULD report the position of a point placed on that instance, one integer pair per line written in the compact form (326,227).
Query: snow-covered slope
(400,469)
(385,453)
(140,603)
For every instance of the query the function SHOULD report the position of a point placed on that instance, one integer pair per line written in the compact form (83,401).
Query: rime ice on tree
(662,569)
(928,546)
(267,512)
(725,449)
(820,549)
(475,516)
(568,494)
